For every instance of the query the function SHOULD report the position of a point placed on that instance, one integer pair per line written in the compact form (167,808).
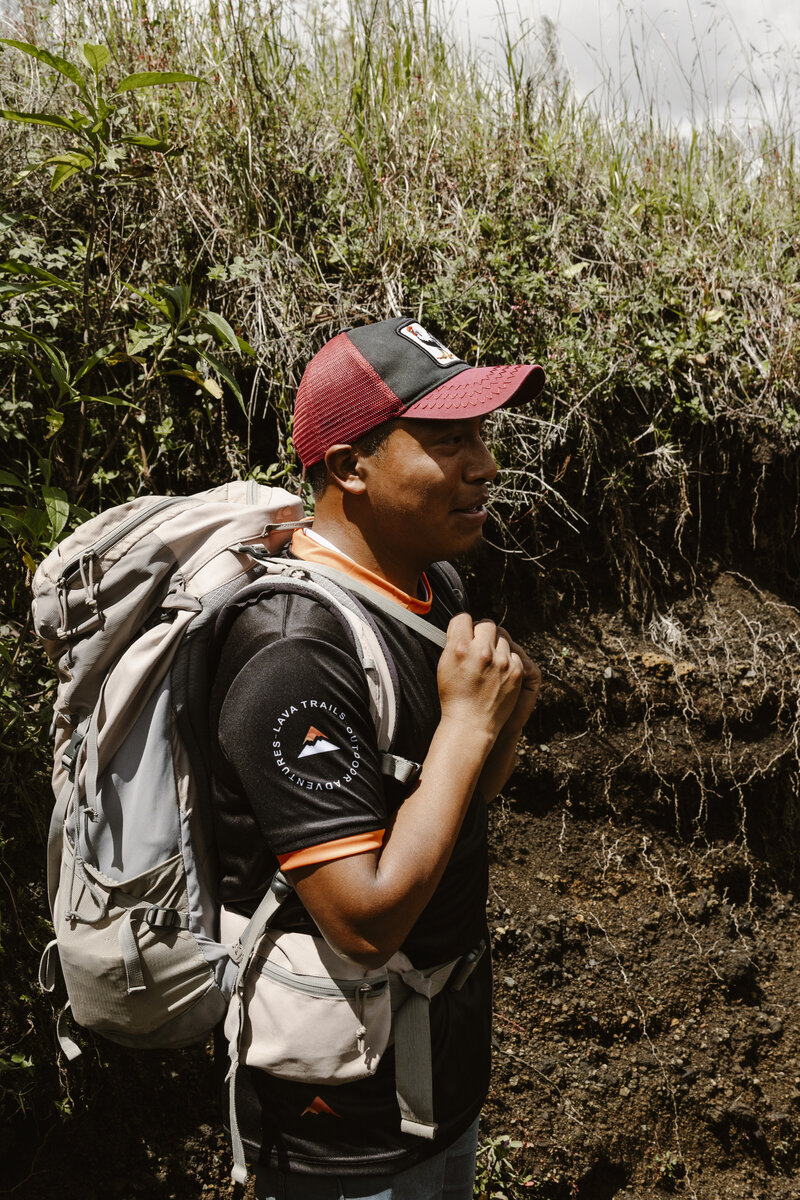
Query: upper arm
(336,895)
(295,730)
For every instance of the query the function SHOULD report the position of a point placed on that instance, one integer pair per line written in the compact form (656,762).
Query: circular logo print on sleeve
(315,746)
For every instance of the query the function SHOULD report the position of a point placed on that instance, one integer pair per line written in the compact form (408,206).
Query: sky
(708,61)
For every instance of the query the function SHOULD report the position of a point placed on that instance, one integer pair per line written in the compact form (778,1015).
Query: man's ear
(343,464)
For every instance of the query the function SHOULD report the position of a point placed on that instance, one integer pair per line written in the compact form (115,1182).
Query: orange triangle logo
(312,735)
(318,1106)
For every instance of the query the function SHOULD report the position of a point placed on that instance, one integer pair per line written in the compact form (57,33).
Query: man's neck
(351,540)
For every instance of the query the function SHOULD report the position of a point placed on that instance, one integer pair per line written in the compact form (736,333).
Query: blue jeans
(447,1176)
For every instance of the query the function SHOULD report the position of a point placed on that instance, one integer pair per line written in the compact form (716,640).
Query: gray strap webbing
(69,1046)
(243,952)
(55,840)
(413,1068)
(92,758)
(394,766)
(55,834)
(156,918)
(47,967)
(390,607)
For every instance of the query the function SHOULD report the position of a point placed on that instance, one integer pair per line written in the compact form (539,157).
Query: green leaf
(143,79)
(221,326)
(94,359)
(179,298)
(57,505)
(55,419)
(96,56)
(9,480)
(114,155)
(118,401)
(72,158)
(60,378)
(143,339)
(574,269)
(25,520)
(13,333)
(36,118)
(23,175)
(206,383)
(21,268)
(223,371)
(161,305)
(61,174)
(50,60)
(147,143)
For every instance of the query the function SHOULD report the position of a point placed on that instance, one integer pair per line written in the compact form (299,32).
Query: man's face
(427,488)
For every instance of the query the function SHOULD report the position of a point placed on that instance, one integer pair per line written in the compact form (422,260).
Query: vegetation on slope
(189,243)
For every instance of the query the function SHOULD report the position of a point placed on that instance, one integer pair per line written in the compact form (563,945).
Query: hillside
(165,275)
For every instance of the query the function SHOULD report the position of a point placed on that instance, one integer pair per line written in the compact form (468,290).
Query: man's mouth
(476,509)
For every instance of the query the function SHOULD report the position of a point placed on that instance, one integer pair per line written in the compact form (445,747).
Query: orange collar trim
(312,551)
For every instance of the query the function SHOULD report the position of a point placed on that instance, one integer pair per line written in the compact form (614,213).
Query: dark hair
(370,443)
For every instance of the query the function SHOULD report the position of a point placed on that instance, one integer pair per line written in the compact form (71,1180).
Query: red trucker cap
(374,373)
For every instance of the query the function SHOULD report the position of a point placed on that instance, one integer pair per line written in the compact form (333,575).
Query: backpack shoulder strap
(449,586)
(373,654)
(299,568)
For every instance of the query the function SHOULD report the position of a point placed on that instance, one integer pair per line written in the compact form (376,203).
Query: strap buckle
(70,756)
(465,967)
(162,918)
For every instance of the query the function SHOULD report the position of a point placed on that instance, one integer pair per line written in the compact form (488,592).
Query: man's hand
(480,678)
(529,692)
(502,757)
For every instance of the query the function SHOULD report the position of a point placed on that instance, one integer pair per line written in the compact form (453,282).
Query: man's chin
(463,548)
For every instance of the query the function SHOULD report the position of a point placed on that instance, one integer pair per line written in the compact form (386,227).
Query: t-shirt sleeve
(296,729)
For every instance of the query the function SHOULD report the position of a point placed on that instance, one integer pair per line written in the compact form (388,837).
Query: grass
(343,164)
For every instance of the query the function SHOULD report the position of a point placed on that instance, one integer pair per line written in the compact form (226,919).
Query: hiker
(388,867)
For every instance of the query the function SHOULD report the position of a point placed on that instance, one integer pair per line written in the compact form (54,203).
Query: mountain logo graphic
(316,743)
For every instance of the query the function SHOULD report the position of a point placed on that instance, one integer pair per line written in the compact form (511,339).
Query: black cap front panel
(408,359)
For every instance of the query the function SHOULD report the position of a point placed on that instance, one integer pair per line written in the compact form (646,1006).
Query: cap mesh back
(340,398)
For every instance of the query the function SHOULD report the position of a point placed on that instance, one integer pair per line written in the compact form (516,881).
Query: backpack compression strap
(244,951)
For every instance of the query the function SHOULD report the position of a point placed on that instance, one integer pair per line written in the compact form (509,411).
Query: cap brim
(477,391)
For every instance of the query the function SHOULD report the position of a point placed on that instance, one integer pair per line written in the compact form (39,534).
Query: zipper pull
(361,1032)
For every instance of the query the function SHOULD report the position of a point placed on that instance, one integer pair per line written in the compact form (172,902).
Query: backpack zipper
(99,548)
(313,985)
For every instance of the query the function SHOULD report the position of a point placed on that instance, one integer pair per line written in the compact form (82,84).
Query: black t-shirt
(296,767)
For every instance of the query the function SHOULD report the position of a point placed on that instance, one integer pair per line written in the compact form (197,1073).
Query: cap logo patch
(431,345)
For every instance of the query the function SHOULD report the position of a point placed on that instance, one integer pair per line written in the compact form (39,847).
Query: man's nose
(482,464)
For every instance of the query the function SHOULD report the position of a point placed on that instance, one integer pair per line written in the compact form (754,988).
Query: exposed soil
(645,934)
(646,940)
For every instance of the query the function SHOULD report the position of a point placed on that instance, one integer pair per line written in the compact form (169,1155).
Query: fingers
(495,646)
(531,675)
(495,642)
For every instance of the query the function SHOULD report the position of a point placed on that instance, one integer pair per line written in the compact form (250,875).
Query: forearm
(500,763)
(367,904)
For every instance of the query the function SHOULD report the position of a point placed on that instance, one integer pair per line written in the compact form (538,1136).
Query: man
(387,425)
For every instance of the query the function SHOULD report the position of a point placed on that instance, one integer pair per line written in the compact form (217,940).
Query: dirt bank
(645,931)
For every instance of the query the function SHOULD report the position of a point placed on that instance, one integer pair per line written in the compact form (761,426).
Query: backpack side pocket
(311,1016)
